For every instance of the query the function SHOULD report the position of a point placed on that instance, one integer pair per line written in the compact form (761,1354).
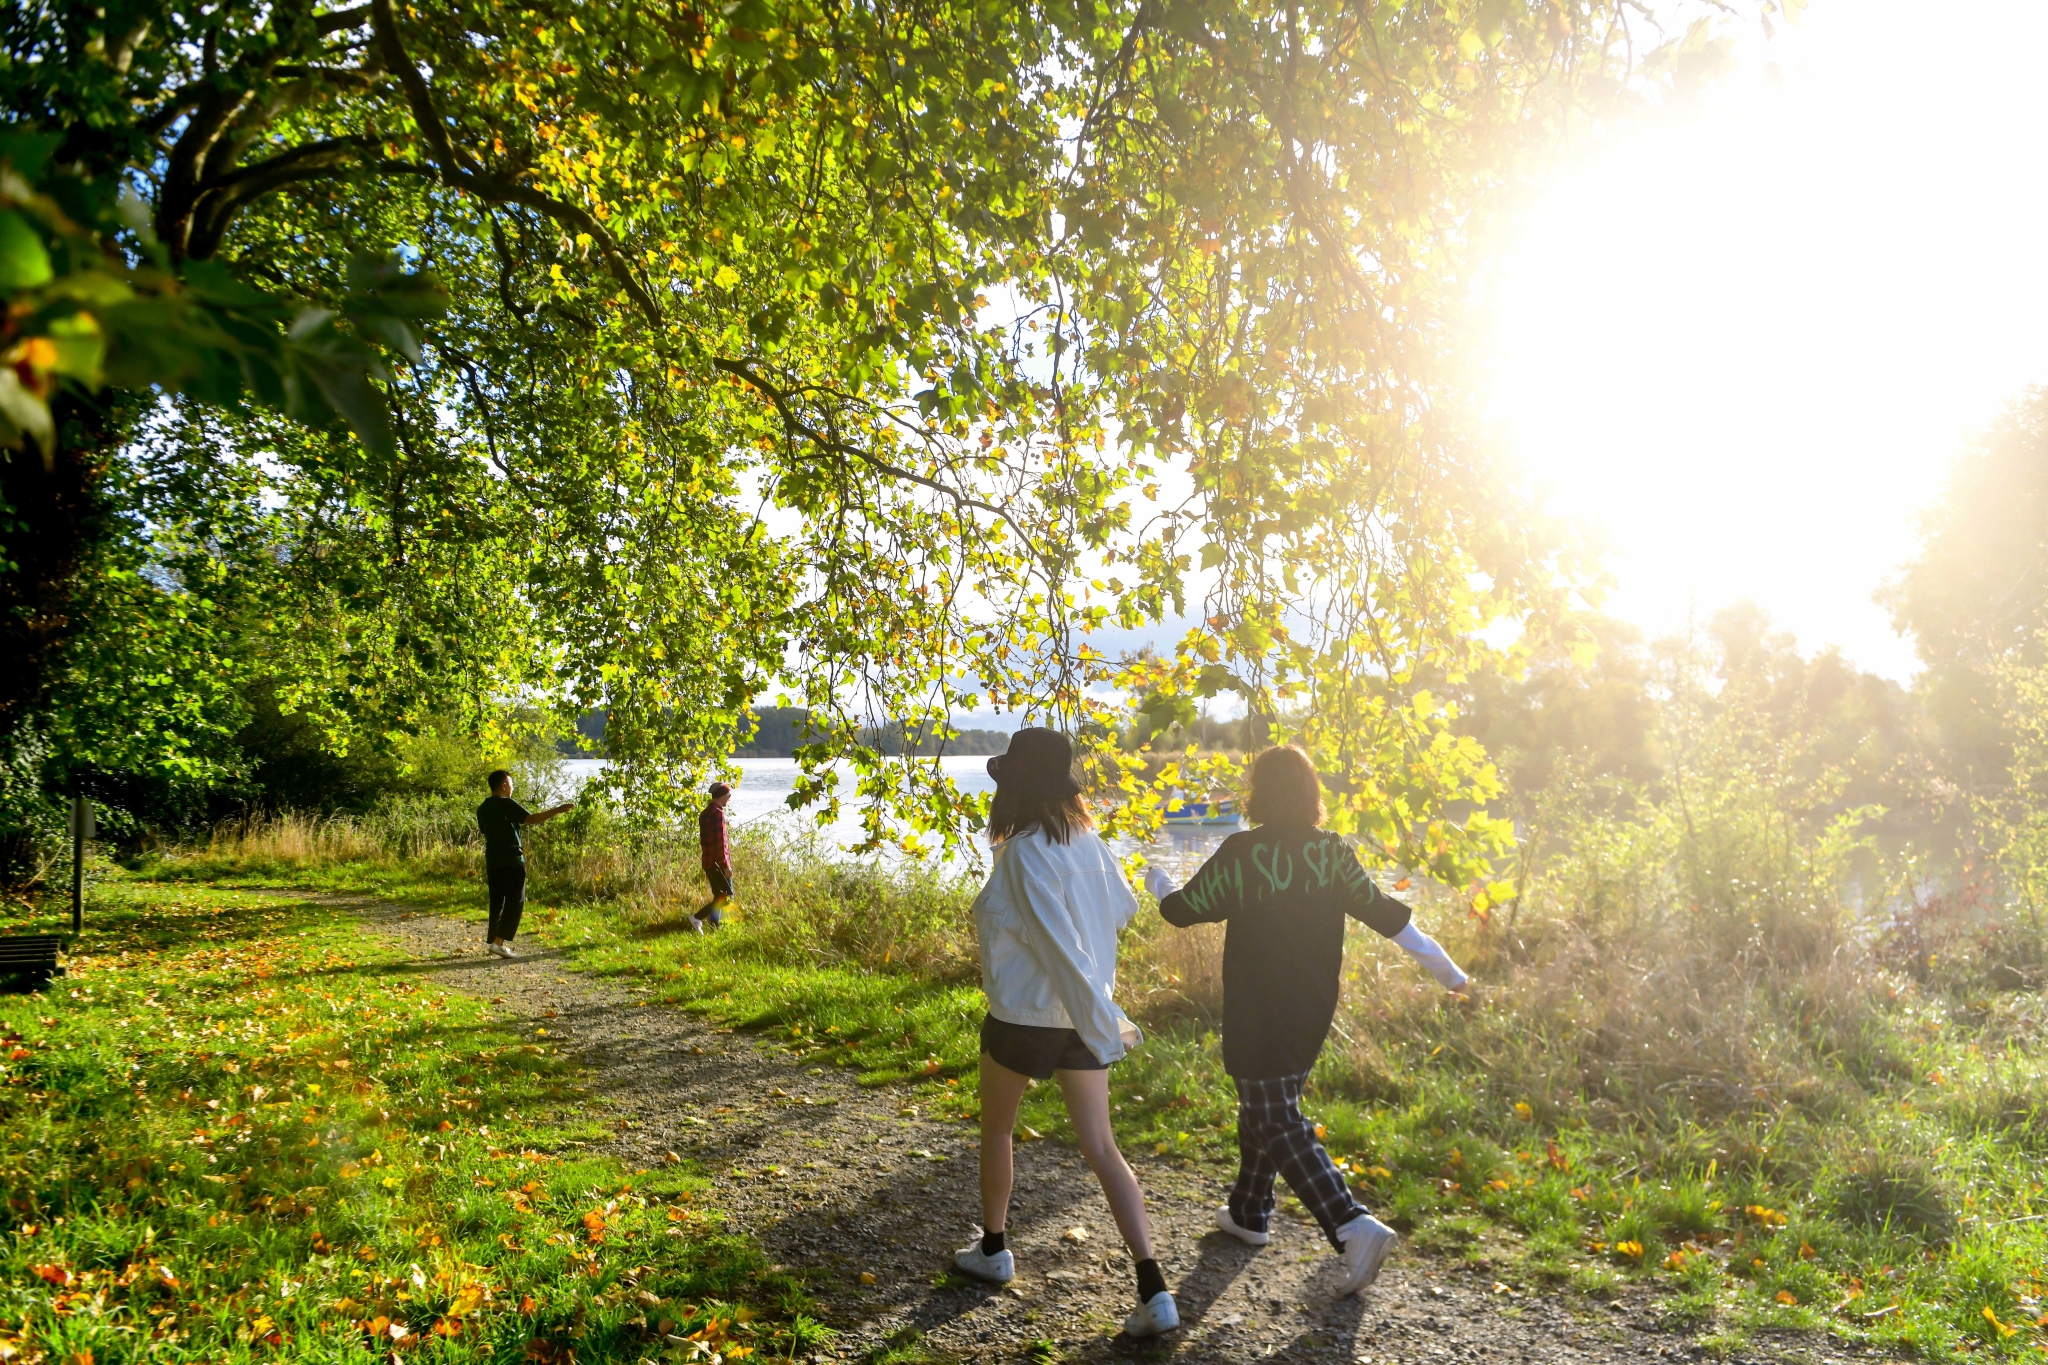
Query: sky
(1741,340)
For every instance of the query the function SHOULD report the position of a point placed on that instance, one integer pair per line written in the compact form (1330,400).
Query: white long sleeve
(1158,883)
(1430,954)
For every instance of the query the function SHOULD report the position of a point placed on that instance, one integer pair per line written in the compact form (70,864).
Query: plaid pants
(1274,1139)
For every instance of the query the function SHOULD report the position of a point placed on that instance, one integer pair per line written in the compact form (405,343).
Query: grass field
(1880,1182)
(241,1129)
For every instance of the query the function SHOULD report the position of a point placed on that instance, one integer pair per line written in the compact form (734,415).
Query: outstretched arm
(1210,896)
(1431,955)
(541,817)
(1391,918)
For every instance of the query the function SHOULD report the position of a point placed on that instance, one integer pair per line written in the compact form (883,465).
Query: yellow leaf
(867,1277)
(1788,1297)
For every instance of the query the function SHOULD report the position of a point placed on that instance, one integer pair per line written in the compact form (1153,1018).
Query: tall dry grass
(800,903)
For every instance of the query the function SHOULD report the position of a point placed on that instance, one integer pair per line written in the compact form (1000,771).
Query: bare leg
(1087,1096)
(1002,1090)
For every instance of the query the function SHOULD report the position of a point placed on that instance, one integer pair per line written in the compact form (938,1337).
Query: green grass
(241,1129)
(1890,1196)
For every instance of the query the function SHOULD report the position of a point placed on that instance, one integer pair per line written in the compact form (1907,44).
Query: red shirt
(711,836)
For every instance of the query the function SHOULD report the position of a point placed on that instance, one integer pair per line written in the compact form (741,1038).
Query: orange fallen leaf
(58,1275)
(1786,1296)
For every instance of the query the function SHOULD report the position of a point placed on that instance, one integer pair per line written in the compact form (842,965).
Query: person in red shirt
(717,858)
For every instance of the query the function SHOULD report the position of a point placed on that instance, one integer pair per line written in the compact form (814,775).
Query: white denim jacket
(1048,921)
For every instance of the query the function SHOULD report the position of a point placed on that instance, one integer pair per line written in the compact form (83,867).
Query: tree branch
(494,189)
(343,20)
(220,198)
(786,409)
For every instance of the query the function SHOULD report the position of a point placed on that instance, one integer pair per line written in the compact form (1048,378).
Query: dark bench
(33,956)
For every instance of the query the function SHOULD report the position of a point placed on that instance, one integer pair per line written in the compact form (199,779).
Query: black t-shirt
(500,818)
(1284,893)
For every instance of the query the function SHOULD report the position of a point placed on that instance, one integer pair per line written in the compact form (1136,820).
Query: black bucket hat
(1040,763)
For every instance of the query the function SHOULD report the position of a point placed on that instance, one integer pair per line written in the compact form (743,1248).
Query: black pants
(508,900)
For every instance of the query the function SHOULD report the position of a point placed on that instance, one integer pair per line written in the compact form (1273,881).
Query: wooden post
(81,830)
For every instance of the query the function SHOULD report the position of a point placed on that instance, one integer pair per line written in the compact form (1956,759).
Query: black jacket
(1284,893)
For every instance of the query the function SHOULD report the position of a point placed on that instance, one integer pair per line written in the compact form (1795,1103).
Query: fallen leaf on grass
(58,1275)
(1786,1296)
(867,1277)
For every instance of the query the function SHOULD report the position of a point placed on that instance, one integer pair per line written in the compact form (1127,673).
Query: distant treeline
(779,730)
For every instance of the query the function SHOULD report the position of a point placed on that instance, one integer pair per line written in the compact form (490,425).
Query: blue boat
(1183,814)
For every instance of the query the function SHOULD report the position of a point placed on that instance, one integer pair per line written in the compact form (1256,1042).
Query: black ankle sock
(991,1243)
(1150,1281)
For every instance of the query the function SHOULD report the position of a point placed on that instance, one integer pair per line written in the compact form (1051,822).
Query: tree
(1975,598)
(843,347)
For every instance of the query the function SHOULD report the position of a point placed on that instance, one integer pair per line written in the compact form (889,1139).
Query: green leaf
(24,260)
(22,414)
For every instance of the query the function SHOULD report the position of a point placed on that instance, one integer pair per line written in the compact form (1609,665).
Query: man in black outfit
(500,820)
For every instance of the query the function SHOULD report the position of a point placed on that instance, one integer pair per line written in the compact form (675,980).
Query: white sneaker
(505,950)
(1000,1268)
(1152,1317)
(1245,1235)
(696,926)
(1366,1242)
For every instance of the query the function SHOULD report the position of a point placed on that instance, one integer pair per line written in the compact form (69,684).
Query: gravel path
(839,1182)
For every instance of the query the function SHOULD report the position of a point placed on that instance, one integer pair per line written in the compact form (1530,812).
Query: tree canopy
(875,354)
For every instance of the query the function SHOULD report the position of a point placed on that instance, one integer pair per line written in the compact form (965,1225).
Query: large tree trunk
(54,519)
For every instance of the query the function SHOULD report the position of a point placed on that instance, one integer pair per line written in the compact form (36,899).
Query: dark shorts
(1036,1052)
(721,885)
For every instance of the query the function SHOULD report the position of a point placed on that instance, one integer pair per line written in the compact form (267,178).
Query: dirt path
(835,1181)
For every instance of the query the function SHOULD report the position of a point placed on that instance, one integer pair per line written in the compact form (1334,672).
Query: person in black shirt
(500,819)
(1285,890)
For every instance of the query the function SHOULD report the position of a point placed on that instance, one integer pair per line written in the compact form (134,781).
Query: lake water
(765,784)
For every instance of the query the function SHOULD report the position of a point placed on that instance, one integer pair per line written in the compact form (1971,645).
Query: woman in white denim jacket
(1048,922)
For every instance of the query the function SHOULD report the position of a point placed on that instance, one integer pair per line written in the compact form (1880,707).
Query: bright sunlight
(1739,342)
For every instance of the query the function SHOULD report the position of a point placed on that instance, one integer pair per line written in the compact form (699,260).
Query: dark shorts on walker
(1030,1050)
